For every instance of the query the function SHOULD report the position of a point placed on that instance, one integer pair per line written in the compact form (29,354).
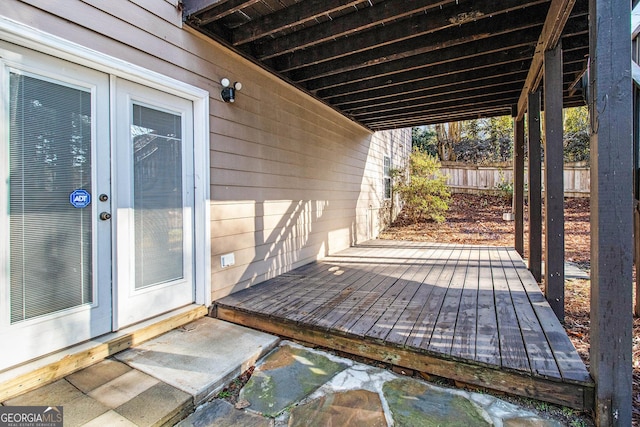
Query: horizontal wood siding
(372,207)
(291,179)
(169,10)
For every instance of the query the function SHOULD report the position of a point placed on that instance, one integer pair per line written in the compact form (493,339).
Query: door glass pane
(50,157)
(157,159)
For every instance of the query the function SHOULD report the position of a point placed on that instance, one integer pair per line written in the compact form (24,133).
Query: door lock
(105,216)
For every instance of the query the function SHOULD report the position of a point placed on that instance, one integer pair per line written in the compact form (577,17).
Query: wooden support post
(535,187)
(635,56)
(518,184)
(636,179)
(610,106)
(554,182)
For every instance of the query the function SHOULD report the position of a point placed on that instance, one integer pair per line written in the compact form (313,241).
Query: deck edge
(572,394)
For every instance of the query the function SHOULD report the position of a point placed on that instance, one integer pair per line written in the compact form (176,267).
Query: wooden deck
(473,314)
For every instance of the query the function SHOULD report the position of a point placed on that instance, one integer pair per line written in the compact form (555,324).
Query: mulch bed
(477,219)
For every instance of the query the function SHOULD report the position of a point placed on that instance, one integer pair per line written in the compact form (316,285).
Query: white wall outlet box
(227,260)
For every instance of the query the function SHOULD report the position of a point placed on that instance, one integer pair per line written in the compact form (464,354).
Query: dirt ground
(474,219)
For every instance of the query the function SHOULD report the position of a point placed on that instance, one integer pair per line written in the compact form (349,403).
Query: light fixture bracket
(228,93)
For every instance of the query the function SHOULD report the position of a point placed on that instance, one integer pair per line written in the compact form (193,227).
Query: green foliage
(576,134)
(224,394)
(505,187)
(489,140)
(424,190)
(425,139)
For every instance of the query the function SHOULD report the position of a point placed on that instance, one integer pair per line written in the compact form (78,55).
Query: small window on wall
(387,177)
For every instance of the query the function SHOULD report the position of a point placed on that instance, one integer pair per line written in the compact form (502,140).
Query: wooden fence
(492,178)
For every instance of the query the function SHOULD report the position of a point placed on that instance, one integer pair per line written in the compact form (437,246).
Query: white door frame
(26,36)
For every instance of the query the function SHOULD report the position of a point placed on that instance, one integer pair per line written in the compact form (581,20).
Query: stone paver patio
(298,386)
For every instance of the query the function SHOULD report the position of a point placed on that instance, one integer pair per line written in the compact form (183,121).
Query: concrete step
(158,382)
(200,358)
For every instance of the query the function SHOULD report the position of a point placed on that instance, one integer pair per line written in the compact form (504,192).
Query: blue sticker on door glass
(80,198)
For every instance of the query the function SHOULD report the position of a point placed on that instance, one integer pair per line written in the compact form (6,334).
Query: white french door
(153,176)
(96,203)
(55,256)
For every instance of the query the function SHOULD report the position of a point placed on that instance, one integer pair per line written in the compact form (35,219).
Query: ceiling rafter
(462,92)
(366,19)
(224,9)
(297,14)
(504,45)
(443,75)
(402,41)
(486,66)
(389,64)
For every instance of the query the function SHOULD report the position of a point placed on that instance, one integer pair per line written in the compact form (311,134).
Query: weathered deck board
(445,325)
(409,316)
(569,363)
(512,351)
(464,337)
(423,329)
(470,313)
(487,338)
(538,350)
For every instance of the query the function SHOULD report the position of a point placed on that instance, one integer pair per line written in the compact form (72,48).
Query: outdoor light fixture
(228,93)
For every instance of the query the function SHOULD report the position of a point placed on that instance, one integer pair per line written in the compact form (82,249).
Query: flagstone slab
(286,376)
(351,408)
(221,413)
(530,422)
(414,403)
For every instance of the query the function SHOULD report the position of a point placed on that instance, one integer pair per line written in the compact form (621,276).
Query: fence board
(486,179)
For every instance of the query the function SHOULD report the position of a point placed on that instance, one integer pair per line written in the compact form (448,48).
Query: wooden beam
(611,210)
(364,31)
(364,17)
(518,184)
(452,106)
(389,58)
(557,17)
(470,97)
(442,85)
(320,77)
(635,73)
(503,48)
(402,43)
(554,181)
(636,186)
(448,92)
(429,119)
(226,8)
(292,16)
(535,187)
(425,77)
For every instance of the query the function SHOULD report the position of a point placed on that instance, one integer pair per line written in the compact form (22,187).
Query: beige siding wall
(291,180)
(373,210)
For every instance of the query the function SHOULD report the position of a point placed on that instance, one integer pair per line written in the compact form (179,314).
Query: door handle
(105,216)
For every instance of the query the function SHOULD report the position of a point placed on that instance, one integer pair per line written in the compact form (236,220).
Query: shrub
(423,190)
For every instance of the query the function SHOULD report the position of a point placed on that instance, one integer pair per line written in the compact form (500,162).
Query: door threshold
(47,369)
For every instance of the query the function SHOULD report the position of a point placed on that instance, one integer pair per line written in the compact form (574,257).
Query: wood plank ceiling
(399,63)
